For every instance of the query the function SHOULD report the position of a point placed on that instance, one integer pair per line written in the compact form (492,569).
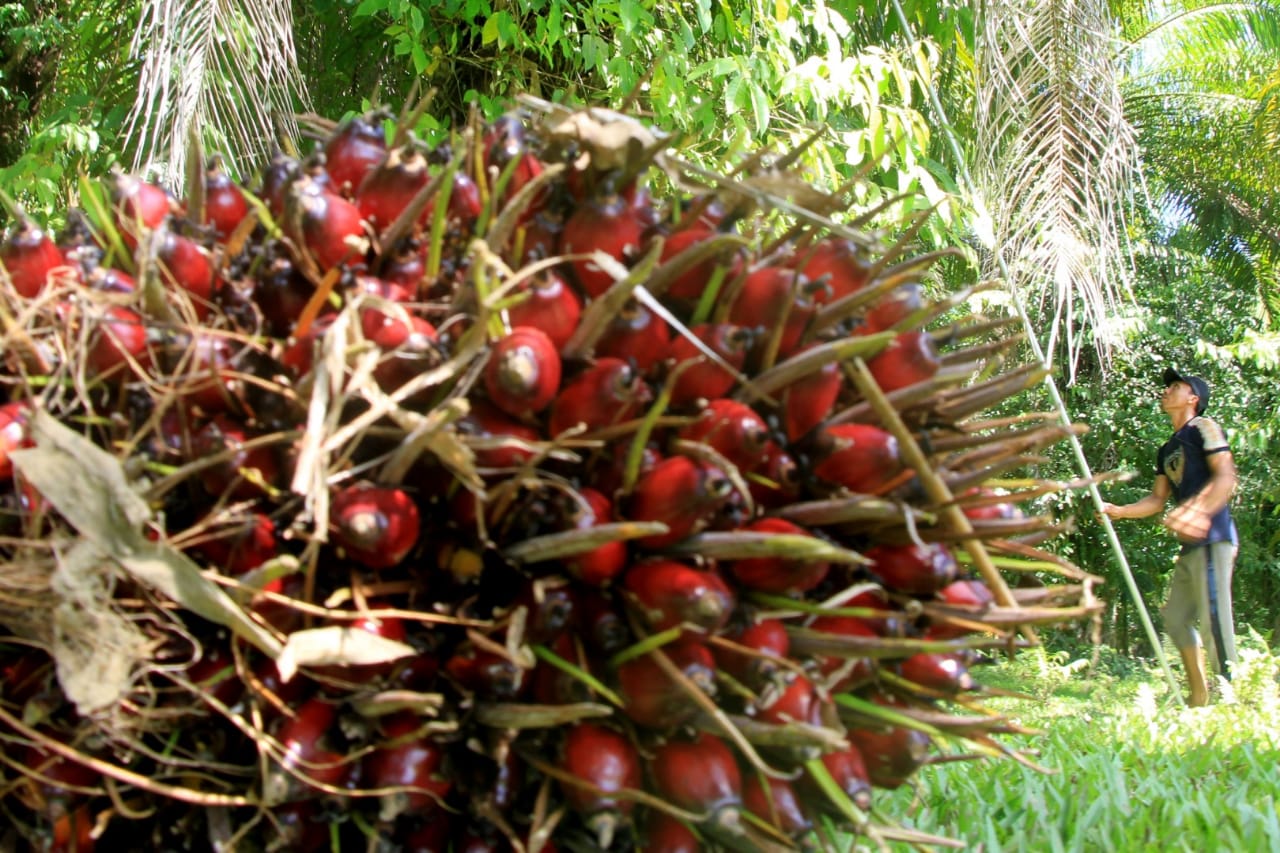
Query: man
(1196,468)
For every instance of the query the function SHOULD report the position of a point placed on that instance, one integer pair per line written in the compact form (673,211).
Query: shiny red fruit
(967,593)
(487,674)
(29,256)
(666,834)
(139,207)
(245,547)
(608,761)
(700,775)
(808,401)
(777,574)
(654,699)
(600,565)
(278,175)
(464,205)
(707,379)
(378,526)
(943,673)
(186,265)
(609,225)
(893,307)
(608,392)
(408,760)
(768,639)
(683,494)
(329,226)
(668,594)
(849,771)
(390,186)
(798,702)
(110,280)
(523,372)
(909,358)
(13,433)
(914,569)
(354,149)
(860,457)
(842,263)
(119,344)
(776,803)
(732,429)
(551,305)
(776,480)
(891,753)
(845,672)
(769,294)
(690,283)
(303,737)
(225,205)
(636,335)
(507,439)
(246,473)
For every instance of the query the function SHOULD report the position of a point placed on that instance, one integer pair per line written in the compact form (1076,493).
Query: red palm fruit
(299,354)
(404,267)
(303,737)
(389,186)
(139,207)
(486,674)
(353,150)
(849,771)
(13,433)
(860,457)
(891,753)
(551,684)
(329,226)
(465,205)
(776,803)
(894,306)
(941,672)
(777,574)
(523,372)
(549,609)
(552,306)
(278,175)
(385,288)
(732,429)
(668,594)
(666,834)
(914,569)
(848,672)
(205,372)
(121,338)
(225,206)
(967,593)
(392,330)
(376,525)
(600,565)
(838,259)
(767,294)
(608,392)
(29,256)
(690,283)
(215,673)
(636,335)
(242,471)
(706,379)
(539,237)
(875,598)
(988,508)
(281,293)
(682,494)
(609,224)
(432,835)
(407,760)
(607,761)
(244,547)
(767,637)
(775,479)
(186,265)
(72,831)
(654,699)
(798,702)
(348,674)
(110,280)
(911,357)
(699,776)
(809,400)
(487,422)
(60,777)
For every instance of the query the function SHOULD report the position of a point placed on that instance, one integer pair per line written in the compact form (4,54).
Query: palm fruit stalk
(534,491)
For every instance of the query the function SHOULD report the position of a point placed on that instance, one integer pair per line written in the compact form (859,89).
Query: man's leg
(1193,663)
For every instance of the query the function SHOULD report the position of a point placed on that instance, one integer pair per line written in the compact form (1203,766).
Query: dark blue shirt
(1184,459)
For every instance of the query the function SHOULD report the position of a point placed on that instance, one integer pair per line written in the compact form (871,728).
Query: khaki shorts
(1199,603)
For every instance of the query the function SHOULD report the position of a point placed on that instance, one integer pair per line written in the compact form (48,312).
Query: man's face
(1176,396)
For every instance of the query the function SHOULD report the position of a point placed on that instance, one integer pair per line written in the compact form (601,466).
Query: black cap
(1198,387)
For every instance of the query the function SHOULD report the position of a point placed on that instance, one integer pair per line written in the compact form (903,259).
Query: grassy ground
(1130,769)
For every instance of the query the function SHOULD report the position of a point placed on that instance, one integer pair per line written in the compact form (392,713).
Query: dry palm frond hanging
(225,68)
(1055,157)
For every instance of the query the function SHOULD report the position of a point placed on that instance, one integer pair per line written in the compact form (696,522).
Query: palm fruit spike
(533,581)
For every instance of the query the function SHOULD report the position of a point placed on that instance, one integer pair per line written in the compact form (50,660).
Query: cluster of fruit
(566,516)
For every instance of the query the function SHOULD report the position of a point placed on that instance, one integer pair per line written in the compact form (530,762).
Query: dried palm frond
(226,68)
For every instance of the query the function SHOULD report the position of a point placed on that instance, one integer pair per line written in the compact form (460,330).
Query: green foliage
(1126,772)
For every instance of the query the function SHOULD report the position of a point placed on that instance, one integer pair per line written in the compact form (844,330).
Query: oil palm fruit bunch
(534,491)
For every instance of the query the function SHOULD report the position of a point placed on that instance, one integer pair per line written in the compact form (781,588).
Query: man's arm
(1191,518)
(1149,505)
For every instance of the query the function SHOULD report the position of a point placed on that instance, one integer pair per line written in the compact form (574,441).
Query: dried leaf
(337,644)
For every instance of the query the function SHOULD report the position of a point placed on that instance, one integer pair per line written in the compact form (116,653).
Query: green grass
(1129,769)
